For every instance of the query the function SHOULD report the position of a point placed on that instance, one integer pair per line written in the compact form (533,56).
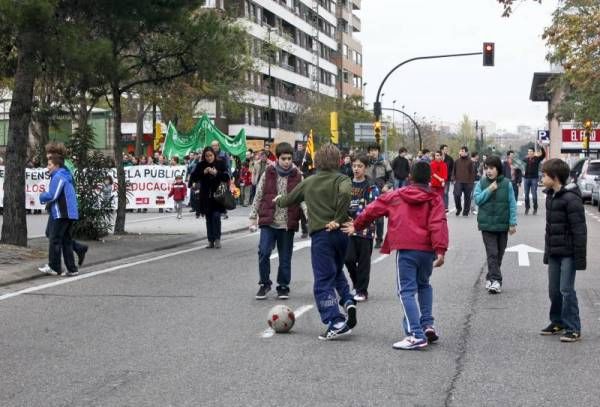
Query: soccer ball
(281,318)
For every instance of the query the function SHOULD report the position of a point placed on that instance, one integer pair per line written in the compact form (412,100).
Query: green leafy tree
(574,40)
(91,169)
(466,133)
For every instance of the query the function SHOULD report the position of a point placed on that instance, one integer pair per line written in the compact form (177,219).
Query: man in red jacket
(439,174)
(418,230)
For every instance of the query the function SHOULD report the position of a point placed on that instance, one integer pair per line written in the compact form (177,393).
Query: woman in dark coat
(210,173)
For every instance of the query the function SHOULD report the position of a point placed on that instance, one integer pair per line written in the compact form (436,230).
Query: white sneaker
(178,216)
(360,298)
(488,284)
(495,288)
(410,342)
(47,270)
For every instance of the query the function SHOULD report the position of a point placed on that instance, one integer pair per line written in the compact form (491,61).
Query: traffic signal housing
(587,126)
(489,49)
(377,129)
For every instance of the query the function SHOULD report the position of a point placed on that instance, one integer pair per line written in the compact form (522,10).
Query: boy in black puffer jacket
(565,249)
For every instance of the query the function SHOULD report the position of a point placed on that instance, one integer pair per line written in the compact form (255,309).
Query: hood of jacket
(416,194)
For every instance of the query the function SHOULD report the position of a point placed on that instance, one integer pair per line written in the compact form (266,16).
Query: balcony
(356,24)
(356,4)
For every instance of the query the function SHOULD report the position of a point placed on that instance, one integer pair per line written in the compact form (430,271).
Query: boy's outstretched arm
(372,211)
(294,197)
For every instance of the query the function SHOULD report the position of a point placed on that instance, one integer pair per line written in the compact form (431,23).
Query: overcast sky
(444,89)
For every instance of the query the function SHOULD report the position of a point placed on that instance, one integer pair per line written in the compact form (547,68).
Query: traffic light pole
(377,106)
(412,121)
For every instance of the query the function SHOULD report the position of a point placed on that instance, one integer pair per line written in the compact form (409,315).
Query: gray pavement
(147,233)
(184,330)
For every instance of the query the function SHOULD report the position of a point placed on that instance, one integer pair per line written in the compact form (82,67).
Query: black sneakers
(283,293)
(350,308)
(262,292)
(334,333)
(552,329)
(81,256)
(570,336)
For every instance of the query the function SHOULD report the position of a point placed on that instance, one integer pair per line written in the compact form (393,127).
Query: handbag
(224,197)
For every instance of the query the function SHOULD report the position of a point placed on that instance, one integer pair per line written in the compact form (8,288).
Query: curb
(117,258)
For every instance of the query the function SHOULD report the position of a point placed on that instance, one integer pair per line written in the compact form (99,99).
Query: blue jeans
(564,308)
(328,251)
(446,193)
(531,184)
(284,239)
(399,183)
(414,268)
(213,226)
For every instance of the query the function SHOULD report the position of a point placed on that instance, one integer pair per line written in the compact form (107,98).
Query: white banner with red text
(148,186)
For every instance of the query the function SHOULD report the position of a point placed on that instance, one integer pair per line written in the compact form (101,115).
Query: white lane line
(297,246)
(109,270)
(269,332)
(380,258)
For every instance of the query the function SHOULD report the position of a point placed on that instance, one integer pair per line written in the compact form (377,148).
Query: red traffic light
(488,54)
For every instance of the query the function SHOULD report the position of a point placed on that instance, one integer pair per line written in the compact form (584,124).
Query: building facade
(350,54)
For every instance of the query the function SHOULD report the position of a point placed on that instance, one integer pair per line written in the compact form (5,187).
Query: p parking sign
(544,136)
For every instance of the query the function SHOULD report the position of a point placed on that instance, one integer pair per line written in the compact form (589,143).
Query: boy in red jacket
(178,192)
(418,230)
(439,174)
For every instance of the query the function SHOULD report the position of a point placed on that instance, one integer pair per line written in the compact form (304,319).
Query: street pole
(270,50)
(413,121)
(377,106)
(476,131)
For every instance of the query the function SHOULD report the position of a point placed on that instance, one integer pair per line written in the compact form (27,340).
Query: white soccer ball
(281,318)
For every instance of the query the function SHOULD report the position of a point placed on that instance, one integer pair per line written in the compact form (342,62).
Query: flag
(157,136)
(309,149)
(335,135)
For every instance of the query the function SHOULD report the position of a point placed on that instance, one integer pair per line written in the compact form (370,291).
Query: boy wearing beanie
(418,231)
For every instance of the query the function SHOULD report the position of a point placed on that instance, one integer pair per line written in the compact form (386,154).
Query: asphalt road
(182,328)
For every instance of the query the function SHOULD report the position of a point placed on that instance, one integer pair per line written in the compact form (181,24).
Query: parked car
(576,171)
(596,193)
(587,178)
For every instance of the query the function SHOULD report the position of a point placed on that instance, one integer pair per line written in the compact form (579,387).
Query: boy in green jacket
(497,217)
(327,196)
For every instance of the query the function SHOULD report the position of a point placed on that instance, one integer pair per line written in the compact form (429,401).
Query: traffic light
(587,125)
(488,53)
(377,128)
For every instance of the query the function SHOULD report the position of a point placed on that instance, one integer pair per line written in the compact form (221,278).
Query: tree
(155,42)
(574,40)
(26,27)
(466,132)
(508,6)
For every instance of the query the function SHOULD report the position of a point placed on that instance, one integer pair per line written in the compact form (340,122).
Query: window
(345,51)
(345,76)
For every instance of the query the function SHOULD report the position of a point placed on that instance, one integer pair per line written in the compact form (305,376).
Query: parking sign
(544,136)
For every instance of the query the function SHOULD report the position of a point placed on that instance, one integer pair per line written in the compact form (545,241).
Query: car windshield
(594,169)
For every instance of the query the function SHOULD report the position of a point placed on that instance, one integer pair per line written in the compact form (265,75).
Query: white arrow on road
(523,251)
(297,246)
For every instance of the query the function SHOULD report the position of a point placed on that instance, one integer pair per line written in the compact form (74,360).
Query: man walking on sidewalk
(464,177)
(532,170)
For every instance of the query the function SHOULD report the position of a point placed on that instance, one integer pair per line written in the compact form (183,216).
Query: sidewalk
(147,235)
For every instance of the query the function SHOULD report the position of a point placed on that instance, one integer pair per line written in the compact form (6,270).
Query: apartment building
(349,55)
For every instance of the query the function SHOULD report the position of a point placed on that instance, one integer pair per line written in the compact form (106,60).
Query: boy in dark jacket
(418,230)
(565,249)
(496,218)
(178,192)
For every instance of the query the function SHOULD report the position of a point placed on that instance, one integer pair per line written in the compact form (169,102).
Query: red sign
(576,135)
(142,201)
(160,200)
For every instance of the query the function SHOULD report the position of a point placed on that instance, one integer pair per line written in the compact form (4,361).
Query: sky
(445,89)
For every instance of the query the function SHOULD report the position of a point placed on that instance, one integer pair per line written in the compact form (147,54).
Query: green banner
(204,132)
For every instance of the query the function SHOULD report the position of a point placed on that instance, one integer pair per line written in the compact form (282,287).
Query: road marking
(380,258)
(69,280)
(269,332)
(523,252)
(303,244)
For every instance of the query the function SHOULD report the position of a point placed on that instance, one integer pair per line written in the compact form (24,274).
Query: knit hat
(421,172)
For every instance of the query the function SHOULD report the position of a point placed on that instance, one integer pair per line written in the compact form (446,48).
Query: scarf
(282,172)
